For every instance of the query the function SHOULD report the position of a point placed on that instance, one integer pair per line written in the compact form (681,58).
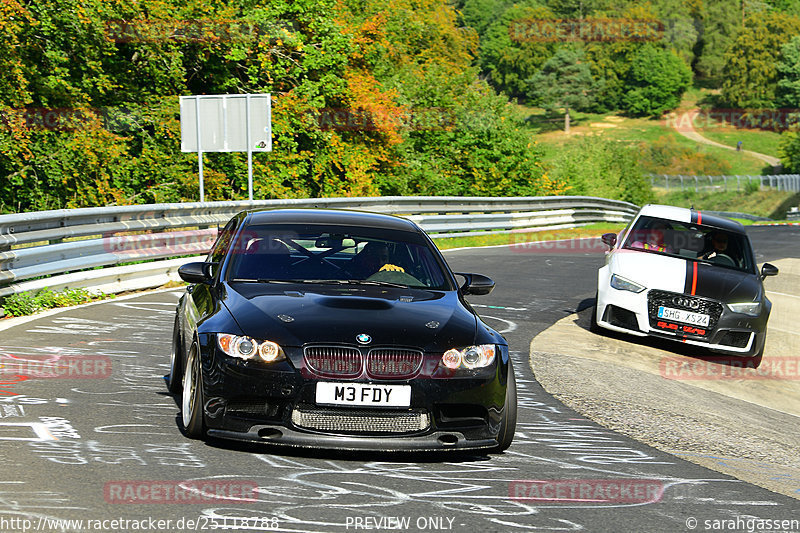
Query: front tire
(593,327)
(509,424)
(192,397)
(175,379)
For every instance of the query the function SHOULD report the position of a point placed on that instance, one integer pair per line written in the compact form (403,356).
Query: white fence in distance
(780,182)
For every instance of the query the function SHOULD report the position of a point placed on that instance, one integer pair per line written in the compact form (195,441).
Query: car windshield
(335,254)
(698,242)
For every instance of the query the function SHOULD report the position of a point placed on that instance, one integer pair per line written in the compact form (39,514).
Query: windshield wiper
(378,283)
(348,282)
(260,280)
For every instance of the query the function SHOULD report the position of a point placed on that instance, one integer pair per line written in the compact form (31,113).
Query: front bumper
(281,435)
(250,401)
(728,332)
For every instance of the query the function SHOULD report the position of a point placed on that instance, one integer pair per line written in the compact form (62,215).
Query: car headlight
(618,282)
(470,357)
(746,308)
(249,348)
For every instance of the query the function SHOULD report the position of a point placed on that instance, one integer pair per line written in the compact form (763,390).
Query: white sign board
(226,123)
(223,125)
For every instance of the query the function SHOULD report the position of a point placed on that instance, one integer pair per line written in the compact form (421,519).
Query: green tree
(479,14)
(111,71)
(751,64)
(514,49)
(657,80)
(789,151)
(679,21)
(577,9)
(788,92)
(565,81)
(719,24)
(611,61)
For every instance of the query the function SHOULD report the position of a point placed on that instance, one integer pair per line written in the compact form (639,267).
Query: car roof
(683,214)
(333,217)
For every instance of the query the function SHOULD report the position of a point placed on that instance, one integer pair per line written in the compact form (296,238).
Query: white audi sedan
(687,276)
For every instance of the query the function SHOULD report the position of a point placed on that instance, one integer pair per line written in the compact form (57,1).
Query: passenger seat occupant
(653,239)
(373,258)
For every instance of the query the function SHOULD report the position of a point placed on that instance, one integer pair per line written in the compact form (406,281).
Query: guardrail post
(696,184)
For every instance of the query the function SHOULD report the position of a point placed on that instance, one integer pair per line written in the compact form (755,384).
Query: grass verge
(28,303)
(770,204)
(592,230)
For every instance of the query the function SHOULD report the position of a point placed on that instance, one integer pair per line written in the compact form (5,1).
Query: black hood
(724,284)
(428,320)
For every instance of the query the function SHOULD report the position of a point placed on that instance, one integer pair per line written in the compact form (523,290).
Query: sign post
(226,123)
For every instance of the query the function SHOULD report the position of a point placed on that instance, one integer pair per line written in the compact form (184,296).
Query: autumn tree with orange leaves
(371,97)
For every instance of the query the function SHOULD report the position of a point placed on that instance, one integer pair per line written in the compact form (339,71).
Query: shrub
(605,168)
(27,303)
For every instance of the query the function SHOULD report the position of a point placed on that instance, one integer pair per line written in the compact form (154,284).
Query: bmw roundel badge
(363,338)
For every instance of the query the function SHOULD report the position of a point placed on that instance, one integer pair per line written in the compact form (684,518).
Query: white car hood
(651,270)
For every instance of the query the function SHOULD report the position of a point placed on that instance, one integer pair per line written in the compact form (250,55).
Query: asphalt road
(84,449)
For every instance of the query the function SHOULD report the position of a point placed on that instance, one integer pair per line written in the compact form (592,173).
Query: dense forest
(371,97)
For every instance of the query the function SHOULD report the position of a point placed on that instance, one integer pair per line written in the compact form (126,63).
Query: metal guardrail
(55,249)
(781,182)
(733,214)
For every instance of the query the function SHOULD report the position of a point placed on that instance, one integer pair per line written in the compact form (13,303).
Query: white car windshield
(698,242)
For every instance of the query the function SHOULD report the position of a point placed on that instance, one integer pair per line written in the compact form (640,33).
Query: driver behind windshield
(373,258)
(718,246)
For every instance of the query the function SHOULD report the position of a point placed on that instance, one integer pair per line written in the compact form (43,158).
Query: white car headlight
(248,348)
(746,308)
(470,357)
(620,283)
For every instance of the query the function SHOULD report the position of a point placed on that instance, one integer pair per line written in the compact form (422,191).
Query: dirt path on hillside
(684,124)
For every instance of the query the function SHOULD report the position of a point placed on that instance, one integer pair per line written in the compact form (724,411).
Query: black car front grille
(393,363)
(675,300)
(360,420)
(348,362)
(333,361)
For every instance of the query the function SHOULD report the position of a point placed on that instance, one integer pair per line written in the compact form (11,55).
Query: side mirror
(768,270)
(476,284)
(610,239)
(197,272)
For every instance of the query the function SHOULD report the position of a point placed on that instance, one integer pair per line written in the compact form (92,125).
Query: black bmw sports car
(338,329)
